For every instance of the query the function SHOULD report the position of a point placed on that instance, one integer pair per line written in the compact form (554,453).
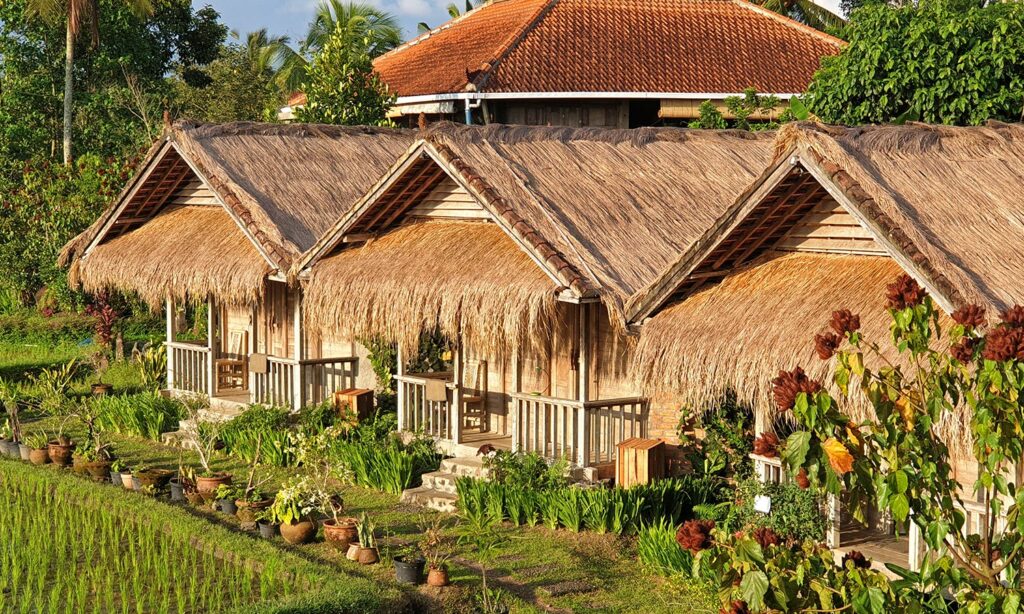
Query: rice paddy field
(68,546)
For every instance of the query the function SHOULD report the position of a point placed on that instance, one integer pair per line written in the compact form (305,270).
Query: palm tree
(375,30)
(805,11)
(76,13)
(453,12)
(265,54)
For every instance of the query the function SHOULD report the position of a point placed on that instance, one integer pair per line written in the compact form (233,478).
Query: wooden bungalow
(217,215)
(521,245)
(837,216)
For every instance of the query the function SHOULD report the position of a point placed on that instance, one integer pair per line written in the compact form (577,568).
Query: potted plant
(78,460)
(339,531)
(437,549)
(106,317)
(151,476)
(409,563)
(205,438)
(267,525)
(368,554)
(60,450)
(293,508)
(187,481)
(252,500)
(97,459)
(38,454)
(7,444)
(127,478)
(116,468)
(225,497)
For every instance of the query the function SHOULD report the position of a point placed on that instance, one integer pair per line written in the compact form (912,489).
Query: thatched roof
(196,249)
(739,333)
(281,185)
(602,211)
(429,274)
(942,200)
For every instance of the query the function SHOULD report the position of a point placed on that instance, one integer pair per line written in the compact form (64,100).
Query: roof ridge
(199,129)
(792,23)
(444,26)
(638,137)
(513,41)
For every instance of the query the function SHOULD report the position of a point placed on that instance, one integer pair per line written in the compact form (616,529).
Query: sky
(290,17)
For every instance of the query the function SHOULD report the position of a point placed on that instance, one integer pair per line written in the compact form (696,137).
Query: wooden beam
(169,307)
(583,383)
(396,198)
(797,209)
(426,184)
(358,237)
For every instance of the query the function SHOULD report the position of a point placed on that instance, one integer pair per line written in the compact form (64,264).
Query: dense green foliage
(951,62)
(795,513)
(622,511)
(142,555)
(725,445)
(147,414)
(342,87)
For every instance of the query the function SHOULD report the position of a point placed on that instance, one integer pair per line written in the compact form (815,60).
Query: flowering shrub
(970,377)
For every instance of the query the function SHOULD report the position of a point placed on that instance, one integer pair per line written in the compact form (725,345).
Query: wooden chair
(475,405)
(233,373)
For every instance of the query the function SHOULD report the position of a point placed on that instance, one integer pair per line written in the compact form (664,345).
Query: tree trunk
(69,64)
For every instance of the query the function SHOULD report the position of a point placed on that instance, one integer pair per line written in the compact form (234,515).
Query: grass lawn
(540,569)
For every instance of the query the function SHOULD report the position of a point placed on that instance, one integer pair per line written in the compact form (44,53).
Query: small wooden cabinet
(639,461)
(357,400)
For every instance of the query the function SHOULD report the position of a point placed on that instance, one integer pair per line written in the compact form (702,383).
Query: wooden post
(517,388)
(455,411)
(211,333)
(170,340)
(834,513)
(400,371)
(253,318)
(583,393)
(297,400)
(913,546)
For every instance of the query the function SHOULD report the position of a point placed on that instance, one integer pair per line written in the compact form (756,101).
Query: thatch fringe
(740,333)
(185,252)
(429,275)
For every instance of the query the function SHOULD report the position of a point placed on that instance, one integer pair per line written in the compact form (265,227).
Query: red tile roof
(679,46)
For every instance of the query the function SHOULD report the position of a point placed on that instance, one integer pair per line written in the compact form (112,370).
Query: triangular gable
(432,182)
(167,179)
(784,210)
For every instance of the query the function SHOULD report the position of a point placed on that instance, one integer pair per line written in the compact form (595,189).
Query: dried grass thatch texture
(185,251)
(954,193)
(289,182)
(433,274)
(741,332)
(617,205)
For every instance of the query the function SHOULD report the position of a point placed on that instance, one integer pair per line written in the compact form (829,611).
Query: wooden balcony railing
(556,428)
(417,413)
(322,377)
(190,366)
(277,385)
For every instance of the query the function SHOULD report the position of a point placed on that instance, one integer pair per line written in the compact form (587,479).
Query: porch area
(254,355)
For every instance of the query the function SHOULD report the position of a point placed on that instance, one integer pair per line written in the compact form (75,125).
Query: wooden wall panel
(829,228)
(449,201)
(194,192)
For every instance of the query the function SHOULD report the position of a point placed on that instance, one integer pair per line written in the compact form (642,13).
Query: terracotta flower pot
(247,510)
(99,470)
(39,456)
(437,577)
(78,465)
(60,454)
(368,556)
(157,478)
(342,533)
(207,486)
(352,553)
(301,532)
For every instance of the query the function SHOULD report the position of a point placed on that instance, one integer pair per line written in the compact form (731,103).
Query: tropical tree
(361,26)
(77,13)
(453,12)
(805,11)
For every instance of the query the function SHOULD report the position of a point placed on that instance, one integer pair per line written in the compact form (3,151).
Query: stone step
(440,481)
(470,467)
(430,498)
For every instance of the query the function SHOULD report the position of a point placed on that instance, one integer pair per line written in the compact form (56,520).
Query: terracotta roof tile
(691,46)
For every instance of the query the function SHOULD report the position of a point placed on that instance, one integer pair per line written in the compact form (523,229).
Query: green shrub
(261,429)
(795,512)
(31,326)
(148,414)
(526,469)
(605,510)
(657,548)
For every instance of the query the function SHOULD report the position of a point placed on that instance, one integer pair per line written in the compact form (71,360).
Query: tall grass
(148,414)
(67,545)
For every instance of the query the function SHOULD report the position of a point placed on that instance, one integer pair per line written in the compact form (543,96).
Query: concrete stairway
(438,489)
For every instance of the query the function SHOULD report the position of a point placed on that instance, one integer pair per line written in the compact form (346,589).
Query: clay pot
(127,480)
(78,466)
(437,577)
(60,454)
(23,451)
(39,456)
(352,553)
(367,556)
(99,470)
(342,533)
(246,510)
(207,486)
(157,478)
(301,532)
